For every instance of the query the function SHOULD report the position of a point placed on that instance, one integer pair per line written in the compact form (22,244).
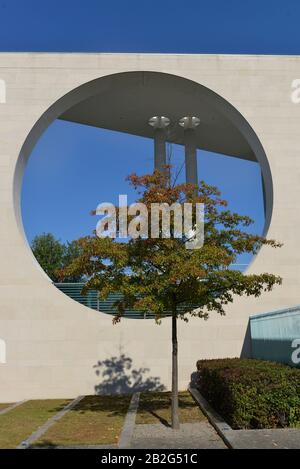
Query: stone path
(277,438)
(273,438)
(190,435)
(11,407)
(129,423)
(48,424)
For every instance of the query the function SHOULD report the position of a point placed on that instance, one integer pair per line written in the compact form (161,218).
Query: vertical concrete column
(191,170)
(160,155)
(189,124)
(159,124)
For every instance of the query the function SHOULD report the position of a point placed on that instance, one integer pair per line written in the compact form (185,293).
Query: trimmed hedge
(251,393)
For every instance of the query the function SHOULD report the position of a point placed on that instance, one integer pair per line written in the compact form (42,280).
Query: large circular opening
(83,147)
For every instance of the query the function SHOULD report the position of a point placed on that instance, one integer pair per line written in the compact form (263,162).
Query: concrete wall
(53,343)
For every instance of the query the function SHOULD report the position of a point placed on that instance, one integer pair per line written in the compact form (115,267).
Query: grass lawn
(95,420)
(19,423)
(4,406)
(156,407)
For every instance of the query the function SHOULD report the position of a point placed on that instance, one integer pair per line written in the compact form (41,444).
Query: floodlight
(189,122)
(159,122)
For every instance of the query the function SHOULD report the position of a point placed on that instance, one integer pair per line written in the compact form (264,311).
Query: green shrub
(251,393)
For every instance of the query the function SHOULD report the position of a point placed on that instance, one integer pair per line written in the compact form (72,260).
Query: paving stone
(190,435)
(277,438)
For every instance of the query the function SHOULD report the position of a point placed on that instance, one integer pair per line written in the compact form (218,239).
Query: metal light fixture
(189,122)
(159,122)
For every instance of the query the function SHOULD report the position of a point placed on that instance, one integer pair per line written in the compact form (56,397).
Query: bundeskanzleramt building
(248,108)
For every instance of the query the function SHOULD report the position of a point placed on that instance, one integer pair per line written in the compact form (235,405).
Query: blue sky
(69,171)
(195,26)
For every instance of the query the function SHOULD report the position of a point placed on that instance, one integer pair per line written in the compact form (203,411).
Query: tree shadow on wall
(119,377)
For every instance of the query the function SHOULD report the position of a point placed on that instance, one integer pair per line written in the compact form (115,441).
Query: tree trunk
(175,417)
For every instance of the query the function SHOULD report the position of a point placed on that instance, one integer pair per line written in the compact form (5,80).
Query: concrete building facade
(49,344)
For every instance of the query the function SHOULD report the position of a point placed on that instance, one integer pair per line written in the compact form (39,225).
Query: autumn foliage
(161,275)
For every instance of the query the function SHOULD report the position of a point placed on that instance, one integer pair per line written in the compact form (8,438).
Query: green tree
(49,252)
(71,252)
(52,255)
(162,276)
